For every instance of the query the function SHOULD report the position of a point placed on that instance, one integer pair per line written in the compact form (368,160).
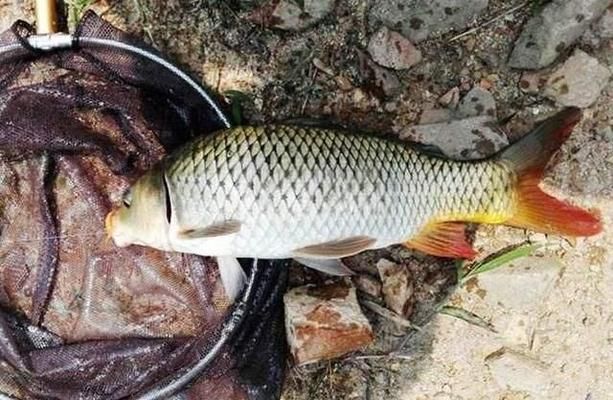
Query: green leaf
(467,316)
(500,259)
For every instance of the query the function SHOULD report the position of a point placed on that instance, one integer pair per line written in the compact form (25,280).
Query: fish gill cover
(80,318)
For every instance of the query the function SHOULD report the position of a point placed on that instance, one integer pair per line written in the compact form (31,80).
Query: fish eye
(126,198)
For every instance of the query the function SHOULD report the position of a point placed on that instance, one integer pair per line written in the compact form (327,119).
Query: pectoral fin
(332,266)
(220,229)
(336,248)
(232,276)
(443,239)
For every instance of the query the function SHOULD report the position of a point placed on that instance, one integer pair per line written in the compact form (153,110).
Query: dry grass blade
(392,316)
(491,21)
(467,316)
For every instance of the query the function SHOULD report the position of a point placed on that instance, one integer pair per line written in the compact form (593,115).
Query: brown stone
(324,322)
(397,287)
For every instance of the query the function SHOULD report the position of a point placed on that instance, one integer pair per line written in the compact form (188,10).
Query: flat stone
(397,287)
(392,50)
(549,33)
(289,15)
(578,82)
(421,19)
(533,277)
(477,102)
(324,322)
(518,372)
(434,115)
(463,139)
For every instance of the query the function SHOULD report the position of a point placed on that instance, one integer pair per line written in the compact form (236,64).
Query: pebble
(578,82)
(422,19)
(324,322)
(532,82)
(518,372)
(397,287)
(451,98)
(392,50)
(289,15)
(477,102)
(462,139)
(550,32)
(367,284)
(383,78)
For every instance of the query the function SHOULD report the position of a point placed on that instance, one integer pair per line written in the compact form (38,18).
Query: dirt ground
(560,340)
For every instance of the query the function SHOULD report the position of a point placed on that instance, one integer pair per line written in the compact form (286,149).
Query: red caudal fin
(541,212)
(443,239)
(528,157)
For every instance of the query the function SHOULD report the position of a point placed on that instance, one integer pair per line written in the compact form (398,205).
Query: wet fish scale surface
(293,187)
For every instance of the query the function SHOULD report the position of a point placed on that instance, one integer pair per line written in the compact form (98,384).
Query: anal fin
(443,239)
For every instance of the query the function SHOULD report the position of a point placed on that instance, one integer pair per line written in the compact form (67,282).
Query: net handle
(46,16)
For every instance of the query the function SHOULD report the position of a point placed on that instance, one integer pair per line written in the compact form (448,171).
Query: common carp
(280,191)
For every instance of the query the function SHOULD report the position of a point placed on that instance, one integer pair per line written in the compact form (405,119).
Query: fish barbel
(279,191)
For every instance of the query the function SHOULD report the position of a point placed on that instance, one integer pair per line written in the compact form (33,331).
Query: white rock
(552,30)
(392,50)
(463,139)
(519,372)
(521,285)
(578,82)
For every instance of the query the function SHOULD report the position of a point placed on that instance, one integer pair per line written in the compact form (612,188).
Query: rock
(578,82)
(289,15)
(324,322)
(451,98)
(463,139)
(604,26)
(434,115)
(367,284)
(532,81)
(384,79)
(477,102)
(547,34)
(397,287)
(518,372)
(392,50)
(533,277)
(421,19)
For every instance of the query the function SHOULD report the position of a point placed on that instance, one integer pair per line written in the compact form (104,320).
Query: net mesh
(80,318)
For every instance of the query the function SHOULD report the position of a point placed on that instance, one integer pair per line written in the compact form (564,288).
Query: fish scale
(295,187)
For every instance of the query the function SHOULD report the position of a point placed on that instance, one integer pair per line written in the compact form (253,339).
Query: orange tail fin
(541,212)
(529,157)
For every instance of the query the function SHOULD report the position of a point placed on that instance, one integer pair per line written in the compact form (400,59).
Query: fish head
(143,217)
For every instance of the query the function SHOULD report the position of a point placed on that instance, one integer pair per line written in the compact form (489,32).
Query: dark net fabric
(79,317)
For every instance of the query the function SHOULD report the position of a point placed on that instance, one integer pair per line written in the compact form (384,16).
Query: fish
(318,195)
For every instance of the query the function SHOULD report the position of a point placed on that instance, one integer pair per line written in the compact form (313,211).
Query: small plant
(76,8)
(237,100)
